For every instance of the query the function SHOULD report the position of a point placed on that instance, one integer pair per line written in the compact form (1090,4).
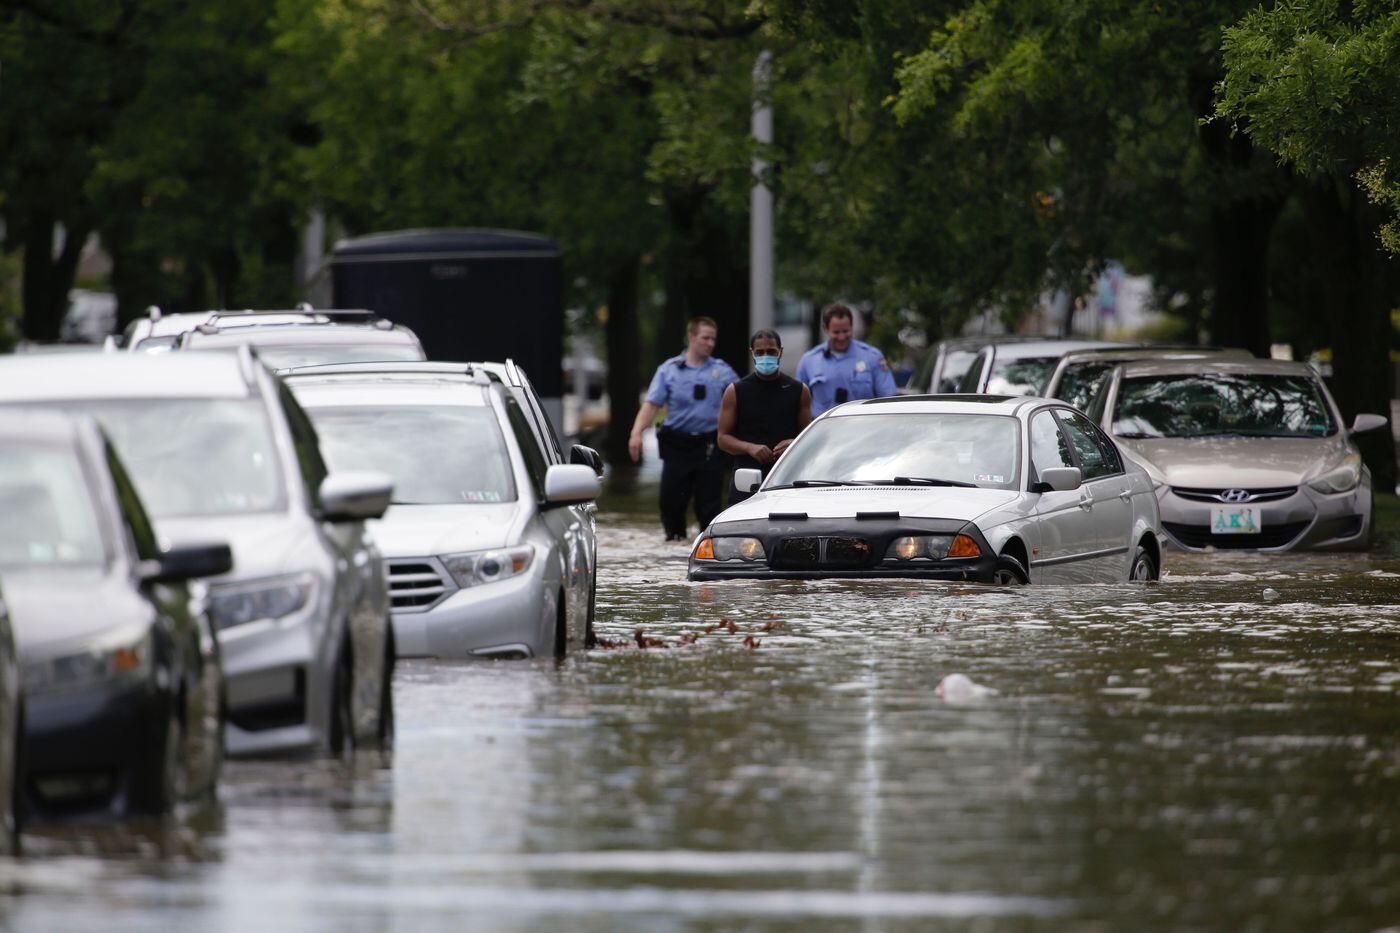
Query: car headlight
(270,598)
(112,659)
(914,547)
(474,568)
(730,548)
(1341,478)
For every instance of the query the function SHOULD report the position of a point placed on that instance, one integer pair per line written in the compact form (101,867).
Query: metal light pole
(761,204)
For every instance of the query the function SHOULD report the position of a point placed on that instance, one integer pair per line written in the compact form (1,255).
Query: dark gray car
(122,683)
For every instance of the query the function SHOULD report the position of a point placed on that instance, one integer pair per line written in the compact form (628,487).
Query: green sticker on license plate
(1236,520)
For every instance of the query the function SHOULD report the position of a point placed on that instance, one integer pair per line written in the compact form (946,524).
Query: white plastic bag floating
(960,688)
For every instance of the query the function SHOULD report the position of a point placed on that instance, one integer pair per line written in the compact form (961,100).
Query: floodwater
(1219,751)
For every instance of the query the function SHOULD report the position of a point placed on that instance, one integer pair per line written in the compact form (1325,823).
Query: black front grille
(813,553)
(1272,494)
(1200,536)
(415,584)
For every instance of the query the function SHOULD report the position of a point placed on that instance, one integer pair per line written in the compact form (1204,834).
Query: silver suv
(490,541)
(305,336)
(218,447)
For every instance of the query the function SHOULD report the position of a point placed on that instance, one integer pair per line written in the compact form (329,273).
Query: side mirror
(188,561)
(1059,479)
(1368,423)
(354,496)
(586,456)
(748,479)
(570,483)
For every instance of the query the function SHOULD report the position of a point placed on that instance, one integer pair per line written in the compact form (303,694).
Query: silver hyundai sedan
(1243,453)
(490,540)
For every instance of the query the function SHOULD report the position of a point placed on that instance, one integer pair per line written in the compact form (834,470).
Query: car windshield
(1215,404)
(1080,382)
(955,365)
(437,455)
(1025,376)
(288,357)
(47,516)
(204,456)
(980,450)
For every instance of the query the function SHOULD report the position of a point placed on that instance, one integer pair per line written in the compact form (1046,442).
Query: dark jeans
(692,469)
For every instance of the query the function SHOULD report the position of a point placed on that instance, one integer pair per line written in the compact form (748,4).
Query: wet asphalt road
(1218,751)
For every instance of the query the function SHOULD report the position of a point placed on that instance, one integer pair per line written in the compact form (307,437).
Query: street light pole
(761,203)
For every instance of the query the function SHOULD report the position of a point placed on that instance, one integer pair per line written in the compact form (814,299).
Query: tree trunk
(47,279)
(1239,314)
(1358,277)
(624,359)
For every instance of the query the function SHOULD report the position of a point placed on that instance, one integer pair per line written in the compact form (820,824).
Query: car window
(535,463)
(972,379)
(1049,447)
(883,448)
(542,419)
(306,443)
(1023,376)
(134,516)
(1221,404)
(1080,382)
(436,454)
(1096,453)
(47,514)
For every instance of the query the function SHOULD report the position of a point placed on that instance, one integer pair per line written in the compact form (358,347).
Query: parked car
(157,331)
(490,541)
(1081,374)
(947,362)
(993,489)
(1244,453)
(11,731)
(122,684)
(305,337)
(216,444)
(1021,368)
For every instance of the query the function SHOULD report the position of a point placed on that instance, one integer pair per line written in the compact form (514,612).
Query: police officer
(690,387)
(842,368)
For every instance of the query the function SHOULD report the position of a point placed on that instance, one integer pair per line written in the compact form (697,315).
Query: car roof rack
(393,367)
(301,315)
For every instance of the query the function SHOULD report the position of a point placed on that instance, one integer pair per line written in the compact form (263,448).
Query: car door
(1064,518)
(1109,491)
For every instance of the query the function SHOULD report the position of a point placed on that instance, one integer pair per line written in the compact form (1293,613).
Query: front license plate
(1236,520)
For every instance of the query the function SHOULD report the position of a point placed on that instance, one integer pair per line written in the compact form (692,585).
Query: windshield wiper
(924,481)
(806,483)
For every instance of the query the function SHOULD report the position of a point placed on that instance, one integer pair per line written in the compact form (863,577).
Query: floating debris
(959,688)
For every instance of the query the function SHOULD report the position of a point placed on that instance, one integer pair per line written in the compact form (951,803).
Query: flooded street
(1220,751)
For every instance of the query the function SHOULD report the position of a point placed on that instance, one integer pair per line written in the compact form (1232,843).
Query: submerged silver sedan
(1243,453)
(985,488)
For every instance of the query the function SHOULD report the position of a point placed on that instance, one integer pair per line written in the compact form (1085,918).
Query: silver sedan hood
(263,545)
(423,530)
(1244,462)
(52,607)
(845,501)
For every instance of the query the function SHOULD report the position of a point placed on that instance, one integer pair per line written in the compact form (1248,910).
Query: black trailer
(468,294)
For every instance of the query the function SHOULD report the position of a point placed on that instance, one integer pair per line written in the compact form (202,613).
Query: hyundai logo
(1236,495)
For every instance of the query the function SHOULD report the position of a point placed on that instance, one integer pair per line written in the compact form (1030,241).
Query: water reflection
(1191,754)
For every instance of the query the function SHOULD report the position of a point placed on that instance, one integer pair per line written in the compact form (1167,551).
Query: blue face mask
(765,365)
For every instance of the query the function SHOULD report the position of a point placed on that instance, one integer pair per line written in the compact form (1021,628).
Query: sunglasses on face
(766,352)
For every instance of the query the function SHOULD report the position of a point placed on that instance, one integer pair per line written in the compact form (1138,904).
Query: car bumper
(505,619)
(1304,520)
(84,752)
(974,570)
(271,671)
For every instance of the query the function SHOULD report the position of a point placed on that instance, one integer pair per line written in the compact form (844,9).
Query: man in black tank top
(762,413)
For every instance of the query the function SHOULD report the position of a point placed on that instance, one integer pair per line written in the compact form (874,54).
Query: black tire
(342,735)
(1144,569)
(561,629)
(1009,572)
(163,787)
(590,637)
(384,737)
(17,797)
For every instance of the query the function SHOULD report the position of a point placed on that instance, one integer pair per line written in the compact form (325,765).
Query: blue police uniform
(833,378)
(692,466)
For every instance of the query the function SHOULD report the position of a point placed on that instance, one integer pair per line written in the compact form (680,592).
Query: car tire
(342,731)
(384,735)
(590,637)
(1144,569)
(162,788)
(1009,572)
(20,776)
(561,629)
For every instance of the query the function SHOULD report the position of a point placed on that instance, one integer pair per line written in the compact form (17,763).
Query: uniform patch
(883,365)
(860,366)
